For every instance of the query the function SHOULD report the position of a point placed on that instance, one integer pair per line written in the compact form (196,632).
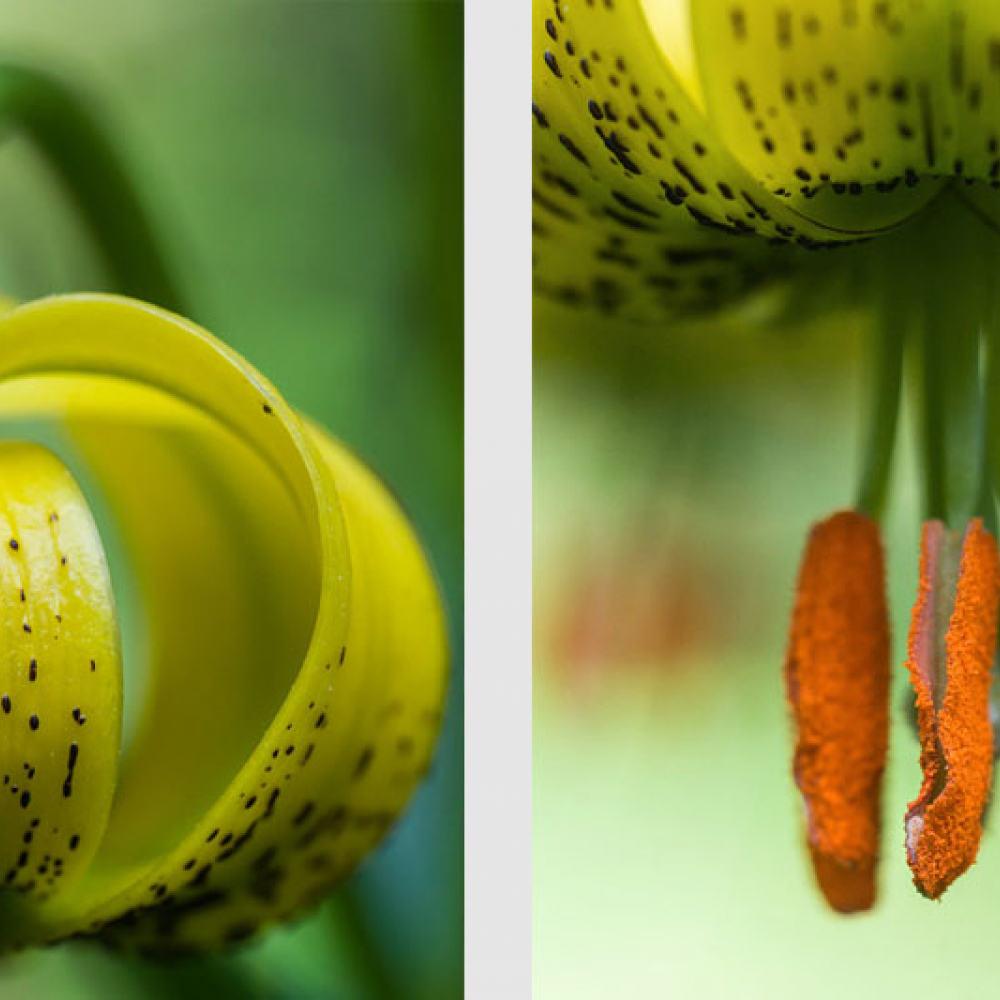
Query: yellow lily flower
(690,155)
(291,650)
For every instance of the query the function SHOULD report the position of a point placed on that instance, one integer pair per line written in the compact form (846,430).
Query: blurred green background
(302,165)
(677,471)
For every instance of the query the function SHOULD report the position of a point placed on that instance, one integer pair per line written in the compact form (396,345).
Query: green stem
(93,174)
(985,505)
(952,273)
(932,427)
(949,283)
(991,424)
(958,480)
(886,340)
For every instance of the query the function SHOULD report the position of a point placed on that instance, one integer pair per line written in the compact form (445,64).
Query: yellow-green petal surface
(292,659)
(808,126)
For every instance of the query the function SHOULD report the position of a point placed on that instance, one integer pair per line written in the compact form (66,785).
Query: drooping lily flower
(689,158)
(292,638)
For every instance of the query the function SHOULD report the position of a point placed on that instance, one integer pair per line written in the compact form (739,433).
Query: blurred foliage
(302,164)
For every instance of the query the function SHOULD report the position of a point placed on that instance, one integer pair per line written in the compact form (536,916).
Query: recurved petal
(856,113)
(636,199)
(645,204)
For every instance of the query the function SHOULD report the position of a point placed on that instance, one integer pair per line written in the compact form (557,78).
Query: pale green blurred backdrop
(676,475)
(302,162)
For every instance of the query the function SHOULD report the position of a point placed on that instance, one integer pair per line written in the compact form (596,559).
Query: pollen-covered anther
(952,644)
(837,678)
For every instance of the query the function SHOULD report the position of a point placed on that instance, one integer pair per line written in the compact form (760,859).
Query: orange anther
(837,677)
(952,684)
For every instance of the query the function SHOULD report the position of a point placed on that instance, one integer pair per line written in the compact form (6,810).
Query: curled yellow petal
(60,687)
(290,657)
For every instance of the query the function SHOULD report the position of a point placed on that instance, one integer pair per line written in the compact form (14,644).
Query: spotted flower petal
(808,126)
(636,200)
(289,656)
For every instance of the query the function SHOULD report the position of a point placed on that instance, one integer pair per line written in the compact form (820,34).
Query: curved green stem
(83,156)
